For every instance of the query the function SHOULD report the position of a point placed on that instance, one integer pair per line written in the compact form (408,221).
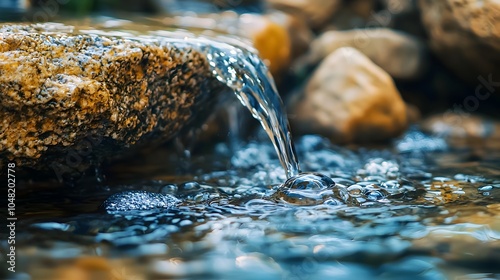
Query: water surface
(430,212)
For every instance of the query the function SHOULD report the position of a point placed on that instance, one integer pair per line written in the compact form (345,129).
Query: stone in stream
(315,12)
(349,99)
(69,98)
(465,35)
(462,129)
(401,55)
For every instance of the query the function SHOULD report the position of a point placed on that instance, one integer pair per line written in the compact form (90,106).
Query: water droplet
(355,190)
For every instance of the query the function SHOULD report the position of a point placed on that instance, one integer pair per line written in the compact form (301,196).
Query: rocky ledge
(70,98)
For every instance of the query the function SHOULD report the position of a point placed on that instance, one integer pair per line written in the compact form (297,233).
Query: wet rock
(464,129)
(465,35)
(69,98)
(399,54)
(299,32)
(349,99)
(413,113)
(315,12)
(272,40)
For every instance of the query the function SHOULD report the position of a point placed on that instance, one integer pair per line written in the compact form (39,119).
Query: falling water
(245,73)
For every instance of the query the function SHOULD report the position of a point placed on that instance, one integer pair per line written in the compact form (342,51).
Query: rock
(362,8)
(70,98)
(269,34)
(401,55)
(299,32)
(464,129)
(465,35)
(315,12)
(413,114)
(349,99)
(272,40)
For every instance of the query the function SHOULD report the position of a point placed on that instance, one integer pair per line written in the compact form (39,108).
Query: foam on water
(138,200)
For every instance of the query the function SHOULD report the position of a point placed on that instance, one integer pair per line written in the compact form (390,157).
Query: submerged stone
(70,98)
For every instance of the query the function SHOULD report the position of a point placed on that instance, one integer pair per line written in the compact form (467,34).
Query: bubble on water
(355,190)
(375,194)
(138,200)
(169,189)
(310,189)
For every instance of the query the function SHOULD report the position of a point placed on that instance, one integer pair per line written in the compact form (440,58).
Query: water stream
(244,72)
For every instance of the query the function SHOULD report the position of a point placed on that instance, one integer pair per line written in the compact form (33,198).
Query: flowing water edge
(416,209)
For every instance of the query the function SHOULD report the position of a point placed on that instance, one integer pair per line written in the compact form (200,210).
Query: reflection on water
(392,213)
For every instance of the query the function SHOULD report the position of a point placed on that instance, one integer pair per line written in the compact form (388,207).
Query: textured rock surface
(349,99)
(401,55)
(465,35)
(70,98)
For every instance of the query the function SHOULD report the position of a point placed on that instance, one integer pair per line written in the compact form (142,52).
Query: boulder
(272,40)
(401,55)
(315,12)
(349,99)
(70,98)
(465,35)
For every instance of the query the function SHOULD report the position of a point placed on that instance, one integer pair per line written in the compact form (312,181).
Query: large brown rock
(349,99)
(69,98)
(465,35)
(401,55)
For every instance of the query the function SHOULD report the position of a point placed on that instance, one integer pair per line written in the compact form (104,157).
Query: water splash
(311,189)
